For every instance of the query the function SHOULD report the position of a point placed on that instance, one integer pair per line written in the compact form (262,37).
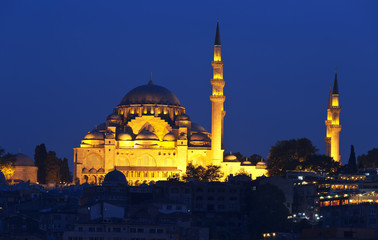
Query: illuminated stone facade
(332,123)
(149,137)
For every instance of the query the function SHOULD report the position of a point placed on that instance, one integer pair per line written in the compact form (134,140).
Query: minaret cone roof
(335,86)
(217,36)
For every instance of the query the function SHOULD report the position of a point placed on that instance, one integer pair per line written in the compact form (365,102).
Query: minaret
(217,99)
(333,123)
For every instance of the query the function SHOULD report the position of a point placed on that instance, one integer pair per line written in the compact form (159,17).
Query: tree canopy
(7,163)
(298,154)
(199,173)
(369,160)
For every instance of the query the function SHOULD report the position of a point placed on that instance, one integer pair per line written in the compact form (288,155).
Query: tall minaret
(333,123)
(217,99)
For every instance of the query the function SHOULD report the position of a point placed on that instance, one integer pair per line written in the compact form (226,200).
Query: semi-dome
(94,136)
(199,137)
(150,94)
(23,160)
(195,127)
(124,137)
(115,177)
(169,137)
(183,117)
(146,135)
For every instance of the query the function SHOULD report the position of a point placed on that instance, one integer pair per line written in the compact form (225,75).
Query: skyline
(265,67)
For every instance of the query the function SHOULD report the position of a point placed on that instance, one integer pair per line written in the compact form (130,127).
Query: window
(152,230)
(133,230)
(140,230)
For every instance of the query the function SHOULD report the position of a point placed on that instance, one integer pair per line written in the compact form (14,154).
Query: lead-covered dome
(23,160)
(150,94)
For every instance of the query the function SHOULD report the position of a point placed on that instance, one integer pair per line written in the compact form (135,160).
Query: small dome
(169,137)
(183,117)
(23,160)
(150,94)
(94,136)
(261,165)
(124,137)
(230,157)
(197,128)
(101,170)
(115,177)
(246,163)
(146,135)
(84,170)
(199,137)
(93,170)
(115,117)
(3,181)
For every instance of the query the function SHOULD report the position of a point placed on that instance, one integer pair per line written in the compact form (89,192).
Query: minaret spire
(217,35)
(217,99)
(335,85)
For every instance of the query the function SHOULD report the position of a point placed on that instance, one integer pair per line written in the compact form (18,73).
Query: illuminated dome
(146,135)
(169,137)
(23,160)
(124,137)
(115,177)
(261,165)
(231,157)
(197,128)
(94,136)
(246,163)
(150,94)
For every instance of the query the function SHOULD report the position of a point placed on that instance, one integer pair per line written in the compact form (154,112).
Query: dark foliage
(370,160)
(298,154)
(203,174)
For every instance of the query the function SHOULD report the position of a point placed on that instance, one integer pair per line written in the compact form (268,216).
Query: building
(332,123)
(24,169)
(149,136)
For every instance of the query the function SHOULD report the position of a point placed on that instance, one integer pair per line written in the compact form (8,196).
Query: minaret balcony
(217,98)
(336,126)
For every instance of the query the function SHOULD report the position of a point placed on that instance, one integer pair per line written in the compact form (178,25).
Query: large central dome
(150,94)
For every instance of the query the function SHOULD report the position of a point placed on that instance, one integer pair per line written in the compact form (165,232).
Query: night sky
(64,65)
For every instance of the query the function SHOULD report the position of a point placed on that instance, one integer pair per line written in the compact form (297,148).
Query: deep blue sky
(64,65)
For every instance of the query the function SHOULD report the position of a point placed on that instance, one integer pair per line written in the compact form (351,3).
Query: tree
(255,158)
(65,174)
(289,155)
(40,159)
(370,160)
(203,174)
(321,163)
(351,167)
(298,154)
(53,165)
(7,163)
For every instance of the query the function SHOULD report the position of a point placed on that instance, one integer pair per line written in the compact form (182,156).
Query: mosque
(149,137)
